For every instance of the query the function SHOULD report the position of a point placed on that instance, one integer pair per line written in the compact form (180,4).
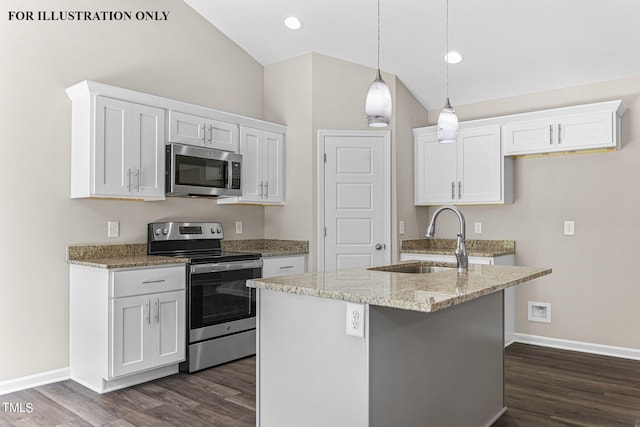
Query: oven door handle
(226,266)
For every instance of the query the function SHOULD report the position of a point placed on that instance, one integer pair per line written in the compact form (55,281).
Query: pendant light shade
(447,120)
(447,124)
(378,104)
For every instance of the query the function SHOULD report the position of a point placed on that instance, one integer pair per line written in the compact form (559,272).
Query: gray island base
(414,367)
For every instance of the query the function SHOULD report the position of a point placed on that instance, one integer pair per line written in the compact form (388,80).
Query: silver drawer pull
(286,266)
(153,281)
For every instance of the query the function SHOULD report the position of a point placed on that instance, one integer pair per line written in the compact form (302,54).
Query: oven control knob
(213,231)
(165,231)
(219,230)
(158,231)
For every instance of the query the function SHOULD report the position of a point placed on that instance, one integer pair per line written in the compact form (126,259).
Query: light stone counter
(416,292)
(117,256)
(478,248)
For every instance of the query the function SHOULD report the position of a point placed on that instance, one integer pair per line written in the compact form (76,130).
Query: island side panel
(310,373)
(441,369)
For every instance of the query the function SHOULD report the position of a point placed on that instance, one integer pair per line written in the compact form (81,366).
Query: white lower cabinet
(284,265)
(127,326)
(509,293)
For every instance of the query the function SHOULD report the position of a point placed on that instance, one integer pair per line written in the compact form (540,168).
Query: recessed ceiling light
(292,23)
(453,57)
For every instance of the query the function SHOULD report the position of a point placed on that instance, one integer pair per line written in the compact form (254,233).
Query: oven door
(197,171)
(220,303)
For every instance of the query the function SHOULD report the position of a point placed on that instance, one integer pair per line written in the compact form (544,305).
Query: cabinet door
(195,130)
(167,328)
(273,166)
(186,129)
(435,170)
(535,136)
(130,335)
(252,173)
(148,151)
(111,161)
(585,131)
(479,165)
(221,135)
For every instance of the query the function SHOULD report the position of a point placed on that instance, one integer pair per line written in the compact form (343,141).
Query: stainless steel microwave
(200,171)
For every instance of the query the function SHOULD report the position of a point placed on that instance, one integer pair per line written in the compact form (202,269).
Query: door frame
(386,151)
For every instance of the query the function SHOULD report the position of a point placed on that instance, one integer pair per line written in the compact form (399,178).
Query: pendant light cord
(379,35)
(447,53)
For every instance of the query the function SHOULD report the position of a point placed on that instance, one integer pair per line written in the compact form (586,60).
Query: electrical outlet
(238,227)
(113,229)
(569,228)
(539,312)
(401,227)
(355,319)
(478,228)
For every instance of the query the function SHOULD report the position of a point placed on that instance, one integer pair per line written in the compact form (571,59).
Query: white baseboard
(584,347)
(34,380)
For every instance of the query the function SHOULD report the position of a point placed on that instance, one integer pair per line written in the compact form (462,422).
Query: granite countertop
(268,247)
(479,248)
(117,256)
(417,292)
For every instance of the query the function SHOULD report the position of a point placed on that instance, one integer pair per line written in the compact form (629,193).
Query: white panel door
(111,157)
(169,319)
(479,165)
(148,150)
(129,335)
(356,195)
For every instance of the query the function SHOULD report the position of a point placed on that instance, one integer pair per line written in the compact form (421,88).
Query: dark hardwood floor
(544,387)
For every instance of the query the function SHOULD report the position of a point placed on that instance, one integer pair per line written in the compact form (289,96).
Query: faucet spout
(461,248)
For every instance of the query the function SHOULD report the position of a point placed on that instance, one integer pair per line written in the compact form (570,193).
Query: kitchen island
(431,353)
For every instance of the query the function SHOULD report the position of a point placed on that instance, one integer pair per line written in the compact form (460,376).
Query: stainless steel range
(221,310)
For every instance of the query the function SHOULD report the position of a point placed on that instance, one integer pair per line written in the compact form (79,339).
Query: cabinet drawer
(283,266)
(147,280)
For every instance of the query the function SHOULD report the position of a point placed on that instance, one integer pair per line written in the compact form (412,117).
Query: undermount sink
(412,268)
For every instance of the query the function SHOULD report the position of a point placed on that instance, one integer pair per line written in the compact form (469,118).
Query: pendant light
(447,120)
(378,104)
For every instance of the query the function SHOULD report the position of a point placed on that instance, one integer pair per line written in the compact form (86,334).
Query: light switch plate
(113,229)
(569,228)
(478,228)
(401,227)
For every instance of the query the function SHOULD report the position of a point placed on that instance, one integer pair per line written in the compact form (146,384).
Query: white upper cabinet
(204,132)
(117,149)
(262,167)
(469,171)
(583,127)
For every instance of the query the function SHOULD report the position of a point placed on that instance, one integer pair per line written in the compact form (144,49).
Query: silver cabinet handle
(453,190)
(204,134)
(129,180)
(261,190)
(210,134)
(550,134)
(459,189)
(157,304)
(559,133)
(137,173)
(284,267)
(266,189)
(146,282)
(148,308)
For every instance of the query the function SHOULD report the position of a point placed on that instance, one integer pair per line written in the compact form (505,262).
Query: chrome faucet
(461,248)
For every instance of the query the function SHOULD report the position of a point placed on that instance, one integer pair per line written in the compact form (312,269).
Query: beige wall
(184,58)
(593,289)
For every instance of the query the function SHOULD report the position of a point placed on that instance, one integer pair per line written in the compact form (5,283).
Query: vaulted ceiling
(509,47)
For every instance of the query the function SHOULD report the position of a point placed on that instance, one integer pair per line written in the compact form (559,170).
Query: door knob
(379,246)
